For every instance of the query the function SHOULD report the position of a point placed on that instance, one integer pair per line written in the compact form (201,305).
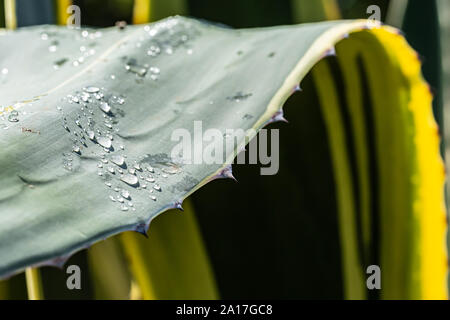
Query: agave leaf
(52,200)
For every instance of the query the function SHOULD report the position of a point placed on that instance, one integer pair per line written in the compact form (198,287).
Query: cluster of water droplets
(86,50)
(167,36)
(94,134)
(11,114)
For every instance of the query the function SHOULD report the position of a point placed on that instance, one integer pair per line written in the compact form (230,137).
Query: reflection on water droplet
(105,107)
(104,142)
(118,160)
(240,96)
(130,179)
(124,208)
(157,187)
(153,198)
(125,194)
(59,63)
(13,116)
(91,89)
(91,134)
(76,149)
(133,67)
(153,51)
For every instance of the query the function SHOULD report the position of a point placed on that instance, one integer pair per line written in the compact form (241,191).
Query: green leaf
(53,202)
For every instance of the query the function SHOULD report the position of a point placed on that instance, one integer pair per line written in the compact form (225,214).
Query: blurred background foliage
(267,236)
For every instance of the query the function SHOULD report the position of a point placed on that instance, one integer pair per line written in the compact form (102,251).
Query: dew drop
(130,179)
(125,194)
(105,107)
(157,187)
(124,208)
(118,160)
(76,149)
(91,89)
(104,142)
(91,134)
(13,116)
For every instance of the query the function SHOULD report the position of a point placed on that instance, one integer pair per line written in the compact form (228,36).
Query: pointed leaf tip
(142,229)
(278,116)
(178,205)
(227,173)
(297,88)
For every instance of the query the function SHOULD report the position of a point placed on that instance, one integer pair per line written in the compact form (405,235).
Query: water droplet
(133,67)
(111,169)
(125,194)
(132,170)
(13,116)
(124,208)
(120,199)
(157,187)
(76,149)
(104,142)
(153,198)
(91,89)
(91,134)
(130,179)
(5,71)
(153,51)
(118,160)
(150,179)
(108,184)
(59,63)
(240,96)
(105,107)
(155,70)
(112,198)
